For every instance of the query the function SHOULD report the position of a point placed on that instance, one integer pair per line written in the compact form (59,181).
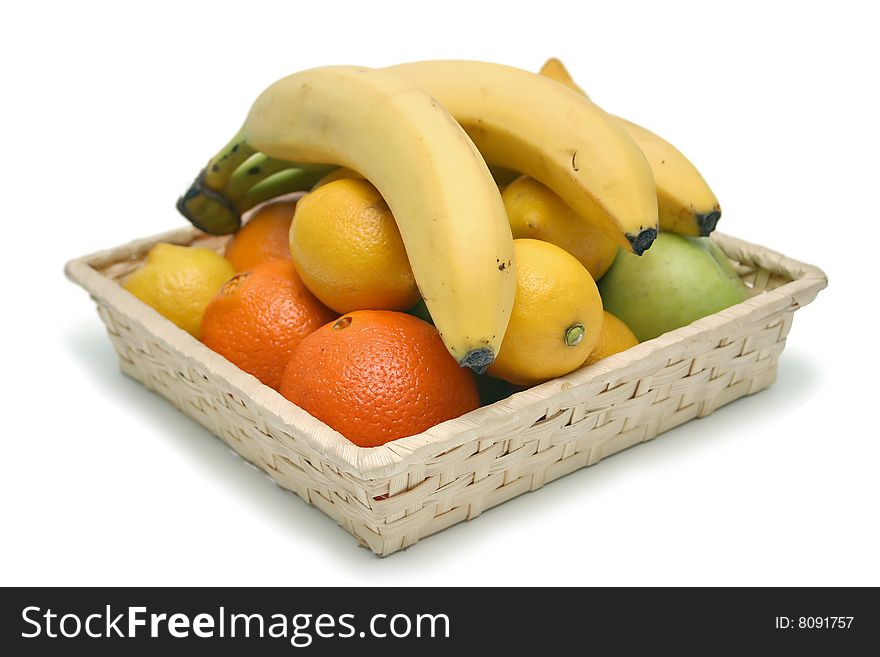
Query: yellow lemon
(179,282)
(614,338)
(336,174)
(348,251)
(556,317)
(536,212)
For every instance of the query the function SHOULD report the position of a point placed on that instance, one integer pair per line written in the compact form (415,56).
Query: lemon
(336,174)
(348,251)
(614,338)
(534,211)
(179,282)
(556,317)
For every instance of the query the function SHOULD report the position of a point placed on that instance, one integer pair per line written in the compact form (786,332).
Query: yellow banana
(686,204)
(528,123)
(439,189)
(554,69)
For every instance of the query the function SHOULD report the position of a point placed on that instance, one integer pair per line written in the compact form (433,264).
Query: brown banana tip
(643,241)
(707,222)
(478,359)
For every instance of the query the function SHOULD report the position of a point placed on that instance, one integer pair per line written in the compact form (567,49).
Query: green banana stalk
(237,179)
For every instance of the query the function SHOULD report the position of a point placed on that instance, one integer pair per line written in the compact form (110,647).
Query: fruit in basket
(179,282)
(525,122)
(536,212)
(339,173)
(260,316)
(348,251)
(680,280)
(265,236)
(685,202)
(556,318)
(434,180)
(614,337)
(378,375)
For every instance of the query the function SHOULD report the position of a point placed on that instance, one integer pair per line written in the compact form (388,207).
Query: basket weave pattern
(389,497)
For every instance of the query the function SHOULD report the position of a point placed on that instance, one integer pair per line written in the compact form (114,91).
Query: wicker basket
(391,496)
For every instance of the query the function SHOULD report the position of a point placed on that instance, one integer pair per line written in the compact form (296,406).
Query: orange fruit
(378,375)
(347,248)
(614,337)
(263,237)
(260,316)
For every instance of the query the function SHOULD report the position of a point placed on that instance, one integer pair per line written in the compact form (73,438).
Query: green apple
(678,280)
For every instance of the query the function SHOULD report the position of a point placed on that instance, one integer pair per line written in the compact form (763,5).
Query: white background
(109,111)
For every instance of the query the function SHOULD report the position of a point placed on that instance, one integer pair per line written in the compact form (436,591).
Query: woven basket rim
(522,408)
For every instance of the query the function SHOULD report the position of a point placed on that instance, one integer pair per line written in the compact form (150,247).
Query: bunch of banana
(524,122)
(423,134)
(686,204)
(437,185)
